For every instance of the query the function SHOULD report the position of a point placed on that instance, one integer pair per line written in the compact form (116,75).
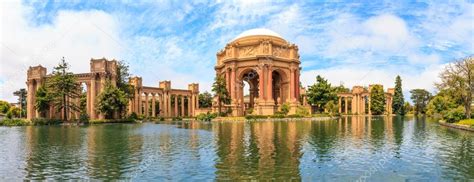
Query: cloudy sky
(346,42)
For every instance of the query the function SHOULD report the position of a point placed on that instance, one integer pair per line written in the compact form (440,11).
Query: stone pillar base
(293,106)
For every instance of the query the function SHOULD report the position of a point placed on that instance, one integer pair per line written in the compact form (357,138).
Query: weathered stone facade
(143,103)
(359,99)
(269,64)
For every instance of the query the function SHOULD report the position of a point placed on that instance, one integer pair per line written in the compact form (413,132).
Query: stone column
(146,105)
(93,93)
(102,85)
(370,112)
(182,105)
(197,100)
(346,102)
(189,106)
(292,85)
(153,105)
(88,99)
(261,80)
(232,86)
(29,98)
(270,85)
(339,104)
(168,99)
(175,105)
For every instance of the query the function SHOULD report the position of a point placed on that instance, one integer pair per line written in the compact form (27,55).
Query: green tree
(320,93)
(111,100)
(4,106)
(43,100)
(420,98)
(407,107)
(13,112)
(285,108)
(205,100)
(123,84)
(459,78)
(63,88)
(377,100)
(398,101)
(439,104)
(21,94)
(220,90)
(331,107)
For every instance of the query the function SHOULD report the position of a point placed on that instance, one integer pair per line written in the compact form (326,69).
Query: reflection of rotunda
(270,67)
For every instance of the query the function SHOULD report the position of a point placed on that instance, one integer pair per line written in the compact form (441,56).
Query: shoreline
(456,126)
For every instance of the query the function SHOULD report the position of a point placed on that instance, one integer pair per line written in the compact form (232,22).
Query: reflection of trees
(112,149)
(323,137)
(398,122)
(377,131)
(270,150)
(54,152)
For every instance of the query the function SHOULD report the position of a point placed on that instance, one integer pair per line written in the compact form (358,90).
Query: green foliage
(206,116)
(133,116)
(398,100)
(285,108)
(469,122)
(205,100)
(331,107)
(102,121)
(21,94)
(14,112)
(4,106)
(220,90)
(407,108)
(420,98)
(320,93)
(123,84)
(439,104)
(177,118)
(458,79)
(14,122)
(84,118)
(43,100)
(454,114)
(111,100)
(302,111)
(377,100)
(45,121)
(62,88)
(254,117)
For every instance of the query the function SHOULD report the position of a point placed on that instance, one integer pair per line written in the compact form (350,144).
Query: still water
(346,149)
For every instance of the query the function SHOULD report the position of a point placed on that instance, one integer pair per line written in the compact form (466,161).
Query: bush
(84,118)
(177,118)
(454,114)
(284,109)
(295,116)
(253,117)
(14,122)
(206,116)
(99,121)
(302,111)
(469,122)
(45,121)
(133,116)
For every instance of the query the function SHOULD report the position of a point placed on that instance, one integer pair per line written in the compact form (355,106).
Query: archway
(248,90)
(280,87)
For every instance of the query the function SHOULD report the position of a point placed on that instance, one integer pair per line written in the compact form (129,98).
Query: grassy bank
(466,122)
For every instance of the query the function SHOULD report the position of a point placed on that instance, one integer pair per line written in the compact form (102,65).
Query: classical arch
(270,66)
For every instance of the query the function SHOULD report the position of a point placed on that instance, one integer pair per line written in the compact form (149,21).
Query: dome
(258,31)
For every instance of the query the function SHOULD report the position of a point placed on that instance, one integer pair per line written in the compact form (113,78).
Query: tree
(111,100)
(205,100)
(220,90)
(13,112)
(331,107)
(398,101)
(459,78)
(420,98)
(63,87)
(43,100)
(439,104)
(123,83)
(407,107)
(377,100)
(21,94)
(320,93)
(4,106)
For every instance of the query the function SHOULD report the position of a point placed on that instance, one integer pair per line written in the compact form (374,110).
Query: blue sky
(354,43)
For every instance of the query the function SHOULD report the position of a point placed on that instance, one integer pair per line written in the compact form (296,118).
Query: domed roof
(257,31)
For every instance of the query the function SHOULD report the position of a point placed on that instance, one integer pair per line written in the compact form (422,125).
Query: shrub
(284,109)
(98,121)
(302,111)
(14,122)
(249,111)
(206,116)
(45,121)
(454,114)
(253,117)
(295,116)
(84,118)
(177,118)
(133,116)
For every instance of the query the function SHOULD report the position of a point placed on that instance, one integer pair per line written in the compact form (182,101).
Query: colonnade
(360,103)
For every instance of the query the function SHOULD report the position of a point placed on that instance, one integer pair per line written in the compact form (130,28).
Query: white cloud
(78,36)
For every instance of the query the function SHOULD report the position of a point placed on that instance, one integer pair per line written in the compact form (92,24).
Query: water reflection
(345,149)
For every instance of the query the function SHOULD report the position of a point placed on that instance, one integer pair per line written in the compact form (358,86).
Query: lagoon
(347,148)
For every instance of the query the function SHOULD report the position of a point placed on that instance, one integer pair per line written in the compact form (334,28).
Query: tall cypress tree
(377,100)
(398,101)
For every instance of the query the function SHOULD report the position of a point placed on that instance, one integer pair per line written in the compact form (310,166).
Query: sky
(350,43)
